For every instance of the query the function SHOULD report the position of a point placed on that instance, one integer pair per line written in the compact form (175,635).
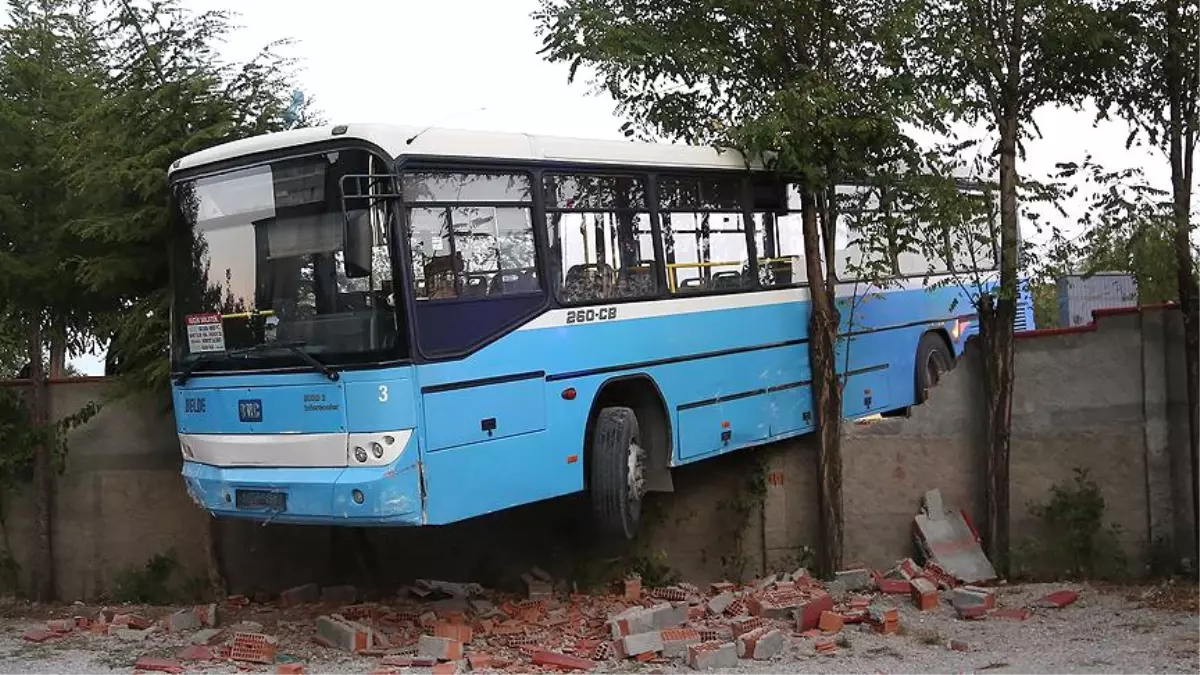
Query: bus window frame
(434,163)
(952,270)
(743,209)
(649,194)
(267,157)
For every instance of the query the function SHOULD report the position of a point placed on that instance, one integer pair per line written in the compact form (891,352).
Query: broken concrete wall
(120,501)
(1081,404)
(1110,399)
(1107,398)
(890,463)
(1182,473)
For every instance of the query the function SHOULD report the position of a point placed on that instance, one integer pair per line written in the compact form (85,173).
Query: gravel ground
(1106,630)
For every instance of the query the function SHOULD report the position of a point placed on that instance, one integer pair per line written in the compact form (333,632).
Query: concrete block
(341,634)
(300,595)
(640,643)
(131,634)
(669,615)
(768,646)
(537,589)
(712,656)
(630,622)
(855,579)
(183,620)
(932,504)
(482,608)
(443,649)
(966,597)
(206,637)
(340,595)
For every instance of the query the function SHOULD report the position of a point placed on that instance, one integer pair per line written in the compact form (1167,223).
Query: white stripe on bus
(628,311)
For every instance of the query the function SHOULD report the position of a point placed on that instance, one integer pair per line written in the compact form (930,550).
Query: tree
(48,74)
(167,94)
(812,87)
(1128,226)
(1155,87)
(996,62)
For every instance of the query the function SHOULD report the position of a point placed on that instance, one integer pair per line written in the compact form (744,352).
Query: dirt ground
(1120,629)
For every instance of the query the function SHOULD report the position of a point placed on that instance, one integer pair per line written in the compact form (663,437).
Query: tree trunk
(996,314)
(58,352)
(217,585)
(43,471)
(827,392)
(1181,132)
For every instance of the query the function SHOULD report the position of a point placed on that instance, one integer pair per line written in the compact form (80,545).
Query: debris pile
(454,627)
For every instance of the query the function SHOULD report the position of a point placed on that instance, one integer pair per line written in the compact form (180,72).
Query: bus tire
(934,360)
(617,462)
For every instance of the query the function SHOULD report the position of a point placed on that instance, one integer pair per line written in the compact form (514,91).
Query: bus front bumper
(363,496)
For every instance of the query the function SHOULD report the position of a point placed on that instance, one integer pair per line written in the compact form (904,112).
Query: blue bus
(375,325)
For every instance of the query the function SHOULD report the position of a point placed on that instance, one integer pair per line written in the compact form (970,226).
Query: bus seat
(726,280)
(474,286)
(692,285)
(779,273)
(514,281)
(637,281)
(588,281)
(527,280)
(354,301)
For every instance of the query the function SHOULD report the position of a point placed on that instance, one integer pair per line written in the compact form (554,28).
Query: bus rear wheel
(933,361)
(617,463)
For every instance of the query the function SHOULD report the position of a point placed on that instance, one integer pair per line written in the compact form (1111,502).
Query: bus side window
(601,242)
(779,246)
(470,251)
(864,248)
(703,234)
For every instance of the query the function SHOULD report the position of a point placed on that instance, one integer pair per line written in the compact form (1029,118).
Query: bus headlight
(376,448)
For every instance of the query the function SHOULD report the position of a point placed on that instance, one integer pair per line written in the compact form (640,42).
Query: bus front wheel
(934,359)
(617,463)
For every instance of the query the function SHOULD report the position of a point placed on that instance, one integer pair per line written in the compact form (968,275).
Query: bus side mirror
(358,243)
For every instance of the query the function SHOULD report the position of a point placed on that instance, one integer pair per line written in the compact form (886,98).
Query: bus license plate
(261,500)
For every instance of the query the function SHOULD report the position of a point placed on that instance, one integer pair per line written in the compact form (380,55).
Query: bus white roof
(442,142)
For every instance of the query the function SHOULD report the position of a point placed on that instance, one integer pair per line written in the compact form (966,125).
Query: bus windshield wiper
(295,347)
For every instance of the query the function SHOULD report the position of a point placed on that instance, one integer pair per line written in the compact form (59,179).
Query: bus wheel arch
(627,407)
(935,357)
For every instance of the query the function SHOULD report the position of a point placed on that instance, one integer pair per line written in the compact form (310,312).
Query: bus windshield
(266,257)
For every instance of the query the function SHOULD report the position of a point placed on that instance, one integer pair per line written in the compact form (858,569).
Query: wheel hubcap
(933,369)
(637,482)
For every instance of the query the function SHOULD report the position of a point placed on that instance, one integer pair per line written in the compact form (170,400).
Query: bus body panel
(484,412)
(306,453)
(471,480)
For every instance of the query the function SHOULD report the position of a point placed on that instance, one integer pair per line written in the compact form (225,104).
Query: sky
(474,64)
